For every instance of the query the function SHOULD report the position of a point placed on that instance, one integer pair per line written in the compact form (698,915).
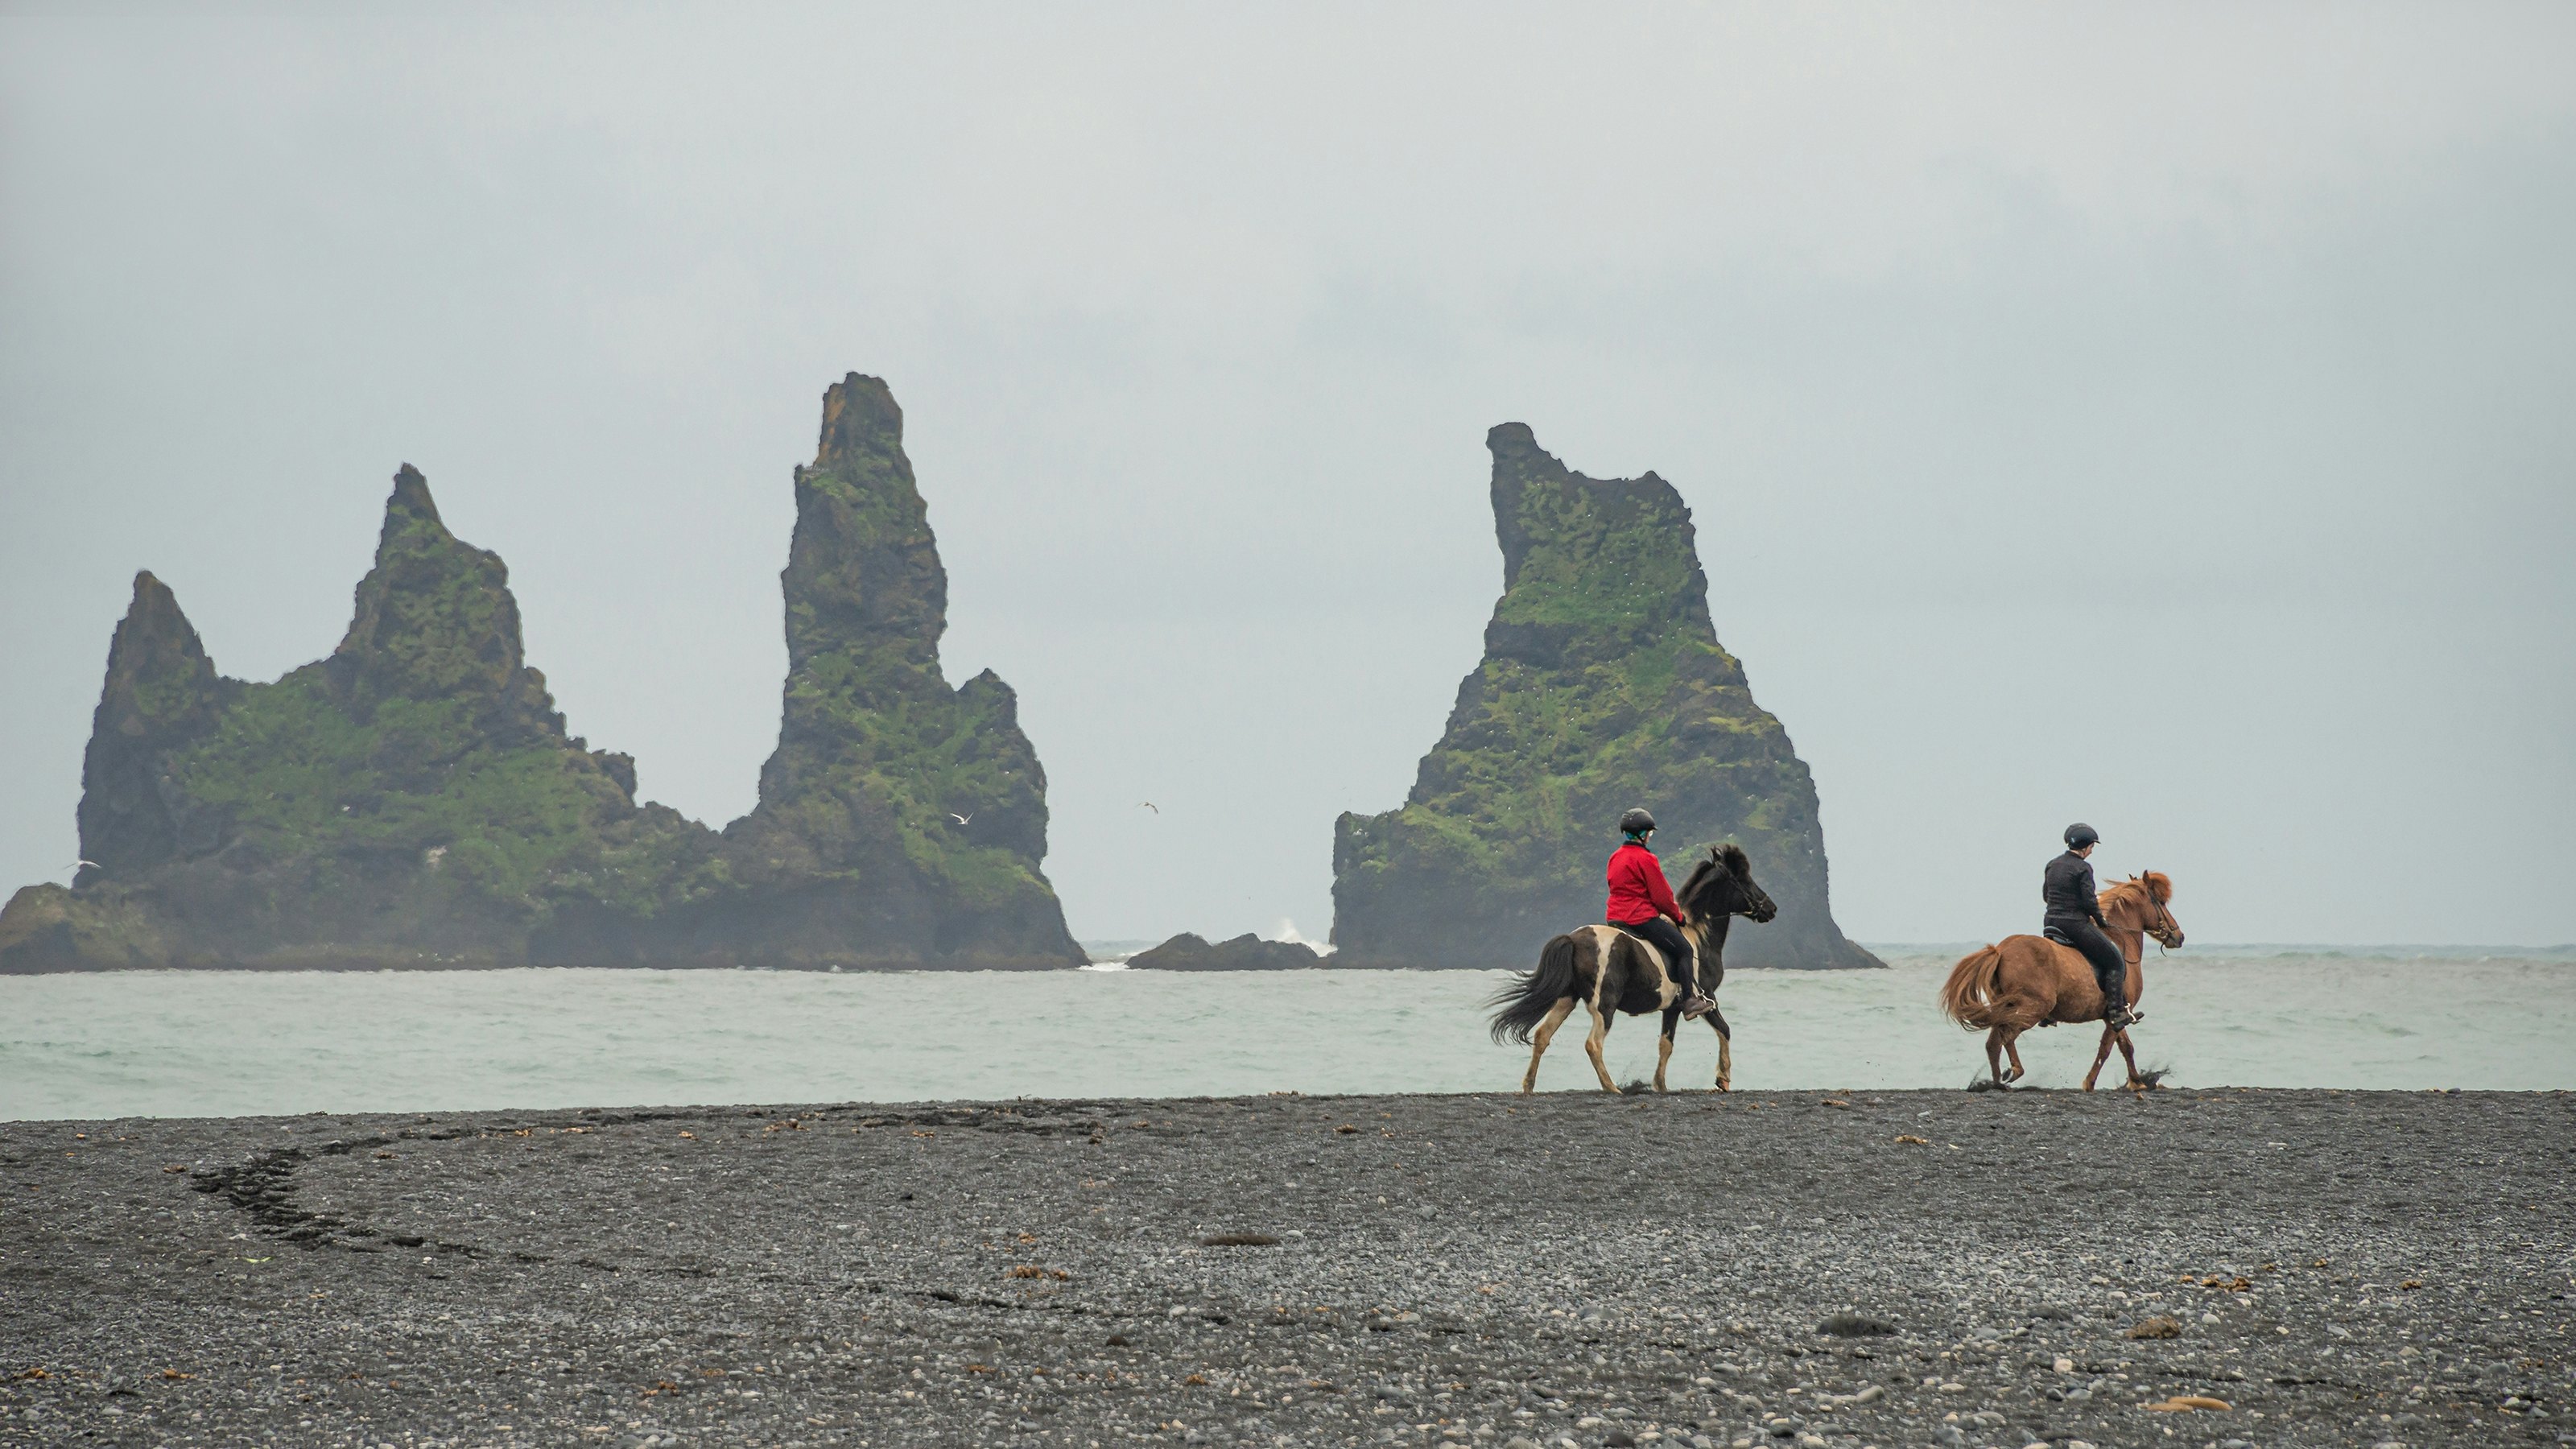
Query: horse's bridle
(2163,915)
(1745,910)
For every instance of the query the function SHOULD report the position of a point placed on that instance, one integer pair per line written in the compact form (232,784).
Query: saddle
(1652,950)
(2056,936)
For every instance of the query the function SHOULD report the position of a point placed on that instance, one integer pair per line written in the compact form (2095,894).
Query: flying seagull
(961,819)
(1150,805)
(75,865)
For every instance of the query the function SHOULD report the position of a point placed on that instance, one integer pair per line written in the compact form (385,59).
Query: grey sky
(2151,415)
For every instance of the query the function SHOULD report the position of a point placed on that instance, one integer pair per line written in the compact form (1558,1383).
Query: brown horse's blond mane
(2156,883)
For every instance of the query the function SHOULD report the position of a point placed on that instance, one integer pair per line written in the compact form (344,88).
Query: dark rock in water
(1603,686)
(414,799)
(900,821)
(1247,952)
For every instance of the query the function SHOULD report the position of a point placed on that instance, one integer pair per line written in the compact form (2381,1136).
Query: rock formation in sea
(1603,686)
(1247,952)
(415,800)
(896,812)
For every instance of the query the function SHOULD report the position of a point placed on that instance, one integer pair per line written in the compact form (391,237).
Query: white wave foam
(1287,931)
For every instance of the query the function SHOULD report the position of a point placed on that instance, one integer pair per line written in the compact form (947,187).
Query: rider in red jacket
(1641,903)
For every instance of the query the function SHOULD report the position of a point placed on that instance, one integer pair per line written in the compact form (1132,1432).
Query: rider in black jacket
(2075,917)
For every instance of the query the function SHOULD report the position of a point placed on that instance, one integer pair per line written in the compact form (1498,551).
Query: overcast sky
(2163,416)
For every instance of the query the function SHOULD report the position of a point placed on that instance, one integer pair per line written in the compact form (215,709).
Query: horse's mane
(2157,885)
(1729,859)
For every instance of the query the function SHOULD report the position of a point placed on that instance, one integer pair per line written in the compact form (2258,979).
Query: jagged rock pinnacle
(435,619)
(1603,686)
(411,500)
(863,573)
(860,416)
(161,694)
(877,756)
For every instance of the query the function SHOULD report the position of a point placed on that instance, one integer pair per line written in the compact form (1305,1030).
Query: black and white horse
(1609,971)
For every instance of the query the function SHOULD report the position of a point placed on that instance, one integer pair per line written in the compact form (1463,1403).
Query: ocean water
(179,1043)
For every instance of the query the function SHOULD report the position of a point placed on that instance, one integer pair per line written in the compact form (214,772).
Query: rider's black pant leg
(1676,947)
(2110,968)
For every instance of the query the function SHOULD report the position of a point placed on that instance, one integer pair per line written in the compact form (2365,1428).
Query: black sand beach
(2336,1268)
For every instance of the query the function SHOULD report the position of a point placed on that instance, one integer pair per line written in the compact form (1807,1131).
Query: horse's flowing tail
(1525,1002)
(1968,997)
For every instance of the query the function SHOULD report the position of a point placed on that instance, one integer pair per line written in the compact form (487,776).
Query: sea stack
(1603,686)
(415,800)
(901,822)
(412,800)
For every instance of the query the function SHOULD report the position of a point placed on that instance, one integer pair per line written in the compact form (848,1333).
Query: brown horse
(1610,971)
(2026,981)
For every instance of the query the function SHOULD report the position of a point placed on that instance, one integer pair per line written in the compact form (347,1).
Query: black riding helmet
(2080,835)
(1637,821)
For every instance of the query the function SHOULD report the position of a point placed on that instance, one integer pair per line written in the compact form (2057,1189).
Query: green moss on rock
(892,800)
(414,798)
(1603,686)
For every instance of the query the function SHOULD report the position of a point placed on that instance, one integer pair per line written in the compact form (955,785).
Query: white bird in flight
(961,819)
(1150,805)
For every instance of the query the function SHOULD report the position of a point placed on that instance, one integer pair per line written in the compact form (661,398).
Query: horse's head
(1722,885)
(2147,895)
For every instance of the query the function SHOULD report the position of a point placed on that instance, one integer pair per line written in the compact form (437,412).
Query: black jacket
(2067,890)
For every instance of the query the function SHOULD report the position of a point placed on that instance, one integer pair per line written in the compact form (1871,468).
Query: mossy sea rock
(414,800)
(896,809)
(1603,686)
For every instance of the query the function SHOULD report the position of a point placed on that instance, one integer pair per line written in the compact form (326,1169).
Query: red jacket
(1637,888)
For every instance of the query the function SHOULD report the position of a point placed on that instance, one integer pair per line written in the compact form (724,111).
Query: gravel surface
(2334,1268)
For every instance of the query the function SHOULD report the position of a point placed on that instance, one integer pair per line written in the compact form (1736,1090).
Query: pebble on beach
(1482,1270)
